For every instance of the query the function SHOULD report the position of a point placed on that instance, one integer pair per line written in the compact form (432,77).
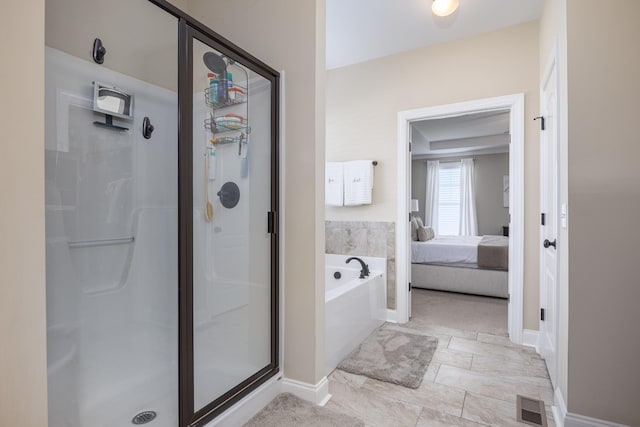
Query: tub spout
(365,268)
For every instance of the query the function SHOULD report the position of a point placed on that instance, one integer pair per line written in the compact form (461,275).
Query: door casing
(515,104)
(549,258)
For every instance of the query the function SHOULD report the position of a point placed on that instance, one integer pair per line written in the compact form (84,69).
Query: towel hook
(147,128)
(99,51)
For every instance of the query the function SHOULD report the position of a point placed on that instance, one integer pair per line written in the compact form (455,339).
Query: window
(449,199)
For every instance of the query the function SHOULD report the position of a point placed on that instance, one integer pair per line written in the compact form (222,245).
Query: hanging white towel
(334,184)
(358,182)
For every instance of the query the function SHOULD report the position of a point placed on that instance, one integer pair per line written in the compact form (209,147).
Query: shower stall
(161,167)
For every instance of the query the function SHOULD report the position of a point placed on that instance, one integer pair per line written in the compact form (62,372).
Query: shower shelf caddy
(225,131)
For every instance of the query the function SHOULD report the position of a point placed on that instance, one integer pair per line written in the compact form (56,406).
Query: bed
(468,264)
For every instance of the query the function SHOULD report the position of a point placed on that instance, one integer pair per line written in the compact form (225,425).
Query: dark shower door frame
(190,29)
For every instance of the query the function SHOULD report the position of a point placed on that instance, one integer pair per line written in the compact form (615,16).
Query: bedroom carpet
(393,356)
(287,410)
(460,311)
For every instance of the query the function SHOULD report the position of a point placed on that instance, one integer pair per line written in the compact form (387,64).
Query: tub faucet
(365,268)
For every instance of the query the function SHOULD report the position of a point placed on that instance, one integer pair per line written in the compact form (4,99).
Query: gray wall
(419,184)
(492,214)
(489,170)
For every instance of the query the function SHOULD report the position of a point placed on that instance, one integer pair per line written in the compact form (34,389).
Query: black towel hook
(99,51)
(147,128)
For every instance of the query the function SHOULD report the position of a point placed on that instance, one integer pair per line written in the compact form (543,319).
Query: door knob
(547,243)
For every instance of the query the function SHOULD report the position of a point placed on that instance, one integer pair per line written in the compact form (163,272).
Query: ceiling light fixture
(444,7)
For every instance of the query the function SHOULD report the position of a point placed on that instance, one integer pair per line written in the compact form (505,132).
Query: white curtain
(432,195)
(468,216)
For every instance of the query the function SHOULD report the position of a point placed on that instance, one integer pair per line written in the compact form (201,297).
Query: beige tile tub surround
(473,379)
(366,238)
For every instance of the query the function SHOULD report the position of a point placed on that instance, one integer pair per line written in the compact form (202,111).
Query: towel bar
(101,242)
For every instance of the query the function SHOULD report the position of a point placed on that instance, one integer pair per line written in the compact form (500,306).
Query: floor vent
(144,417)
(531,411)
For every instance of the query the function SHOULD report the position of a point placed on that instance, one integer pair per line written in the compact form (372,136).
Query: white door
(408,233)
(549,222)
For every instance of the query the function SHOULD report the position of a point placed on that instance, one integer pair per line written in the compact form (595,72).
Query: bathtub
(354,307)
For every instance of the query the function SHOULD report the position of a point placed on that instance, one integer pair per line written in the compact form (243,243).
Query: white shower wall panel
(156,279)
(224,249)
(111,310)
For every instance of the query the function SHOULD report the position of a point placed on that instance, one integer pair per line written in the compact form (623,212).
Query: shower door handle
(271,222)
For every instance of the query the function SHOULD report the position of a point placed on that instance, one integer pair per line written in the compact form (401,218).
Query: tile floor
(473,379)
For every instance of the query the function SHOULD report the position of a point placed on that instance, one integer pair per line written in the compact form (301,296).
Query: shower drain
(144,417)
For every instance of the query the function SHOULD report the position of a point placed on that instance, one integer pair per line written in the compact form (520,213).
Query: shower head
(215,63)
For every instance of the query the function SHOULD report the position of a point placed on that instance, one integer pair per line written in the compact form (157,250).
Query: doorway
(459,189)
(514,104)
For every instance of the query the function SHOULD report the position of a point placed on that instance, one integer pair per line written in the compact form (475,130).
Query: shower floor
(129,370)
(118,373)
(120,411)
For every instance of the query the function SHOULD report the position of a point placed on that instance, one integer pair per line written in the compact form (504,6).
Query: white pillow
(425,234)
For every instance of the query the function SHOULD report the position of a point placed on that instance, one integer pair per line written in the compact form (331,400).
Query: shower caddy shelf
(230,131)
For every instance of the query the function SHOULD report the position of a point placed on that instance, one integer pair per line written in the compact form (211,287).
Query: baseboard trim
(562,418)
(559,410)
(575,420)
(250,405)
(392,316)
(530,339)
(318,393)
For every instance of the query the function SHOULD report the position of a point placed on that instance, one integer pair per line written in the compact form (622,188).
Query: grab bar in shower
(102,242)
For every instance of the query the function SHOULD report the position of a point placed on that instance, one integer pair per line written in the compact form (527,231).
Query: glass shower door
(111,213)
(234,292)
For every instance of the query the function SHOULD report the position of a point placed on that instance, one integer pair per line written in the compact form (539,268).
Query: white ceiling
(478,133)
(361,30)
